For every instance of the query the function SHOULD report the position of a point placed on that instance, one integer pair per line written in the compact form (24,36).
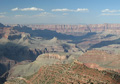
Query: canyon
(25,49)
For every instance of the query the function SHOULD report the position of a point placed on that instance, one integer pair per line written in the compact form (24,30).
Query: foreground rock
(74,73)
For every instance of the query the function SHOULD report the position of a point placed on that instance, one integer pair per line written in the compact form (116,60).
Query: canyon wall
(80,29)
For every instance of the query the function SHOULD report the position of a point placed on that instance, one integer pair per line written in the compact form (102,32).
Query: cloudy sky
(59,11)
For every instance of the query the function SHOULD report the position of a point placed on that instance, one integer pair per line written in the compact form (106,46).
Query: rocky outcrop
(74,73)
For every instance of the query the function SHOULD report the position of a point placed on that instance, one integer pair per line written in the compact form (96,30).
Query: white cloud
(2,13)
(19,15)
(2,16)
(63,10)
(110,11)
(110,14)
(45,14)
(65,14)
(32,9)
(27,9)
(14,9)
(70,10)
(42,14)
(80,9)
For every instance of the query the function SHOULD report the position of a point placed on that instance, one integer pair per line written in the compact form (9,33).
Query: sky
(59,11)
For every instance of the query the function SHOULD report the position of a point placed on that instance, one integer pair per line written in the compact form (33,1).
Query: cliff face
(80,29)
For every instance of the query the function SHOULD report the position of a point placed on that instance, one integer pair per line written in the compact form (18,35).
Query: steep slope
(74,73)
